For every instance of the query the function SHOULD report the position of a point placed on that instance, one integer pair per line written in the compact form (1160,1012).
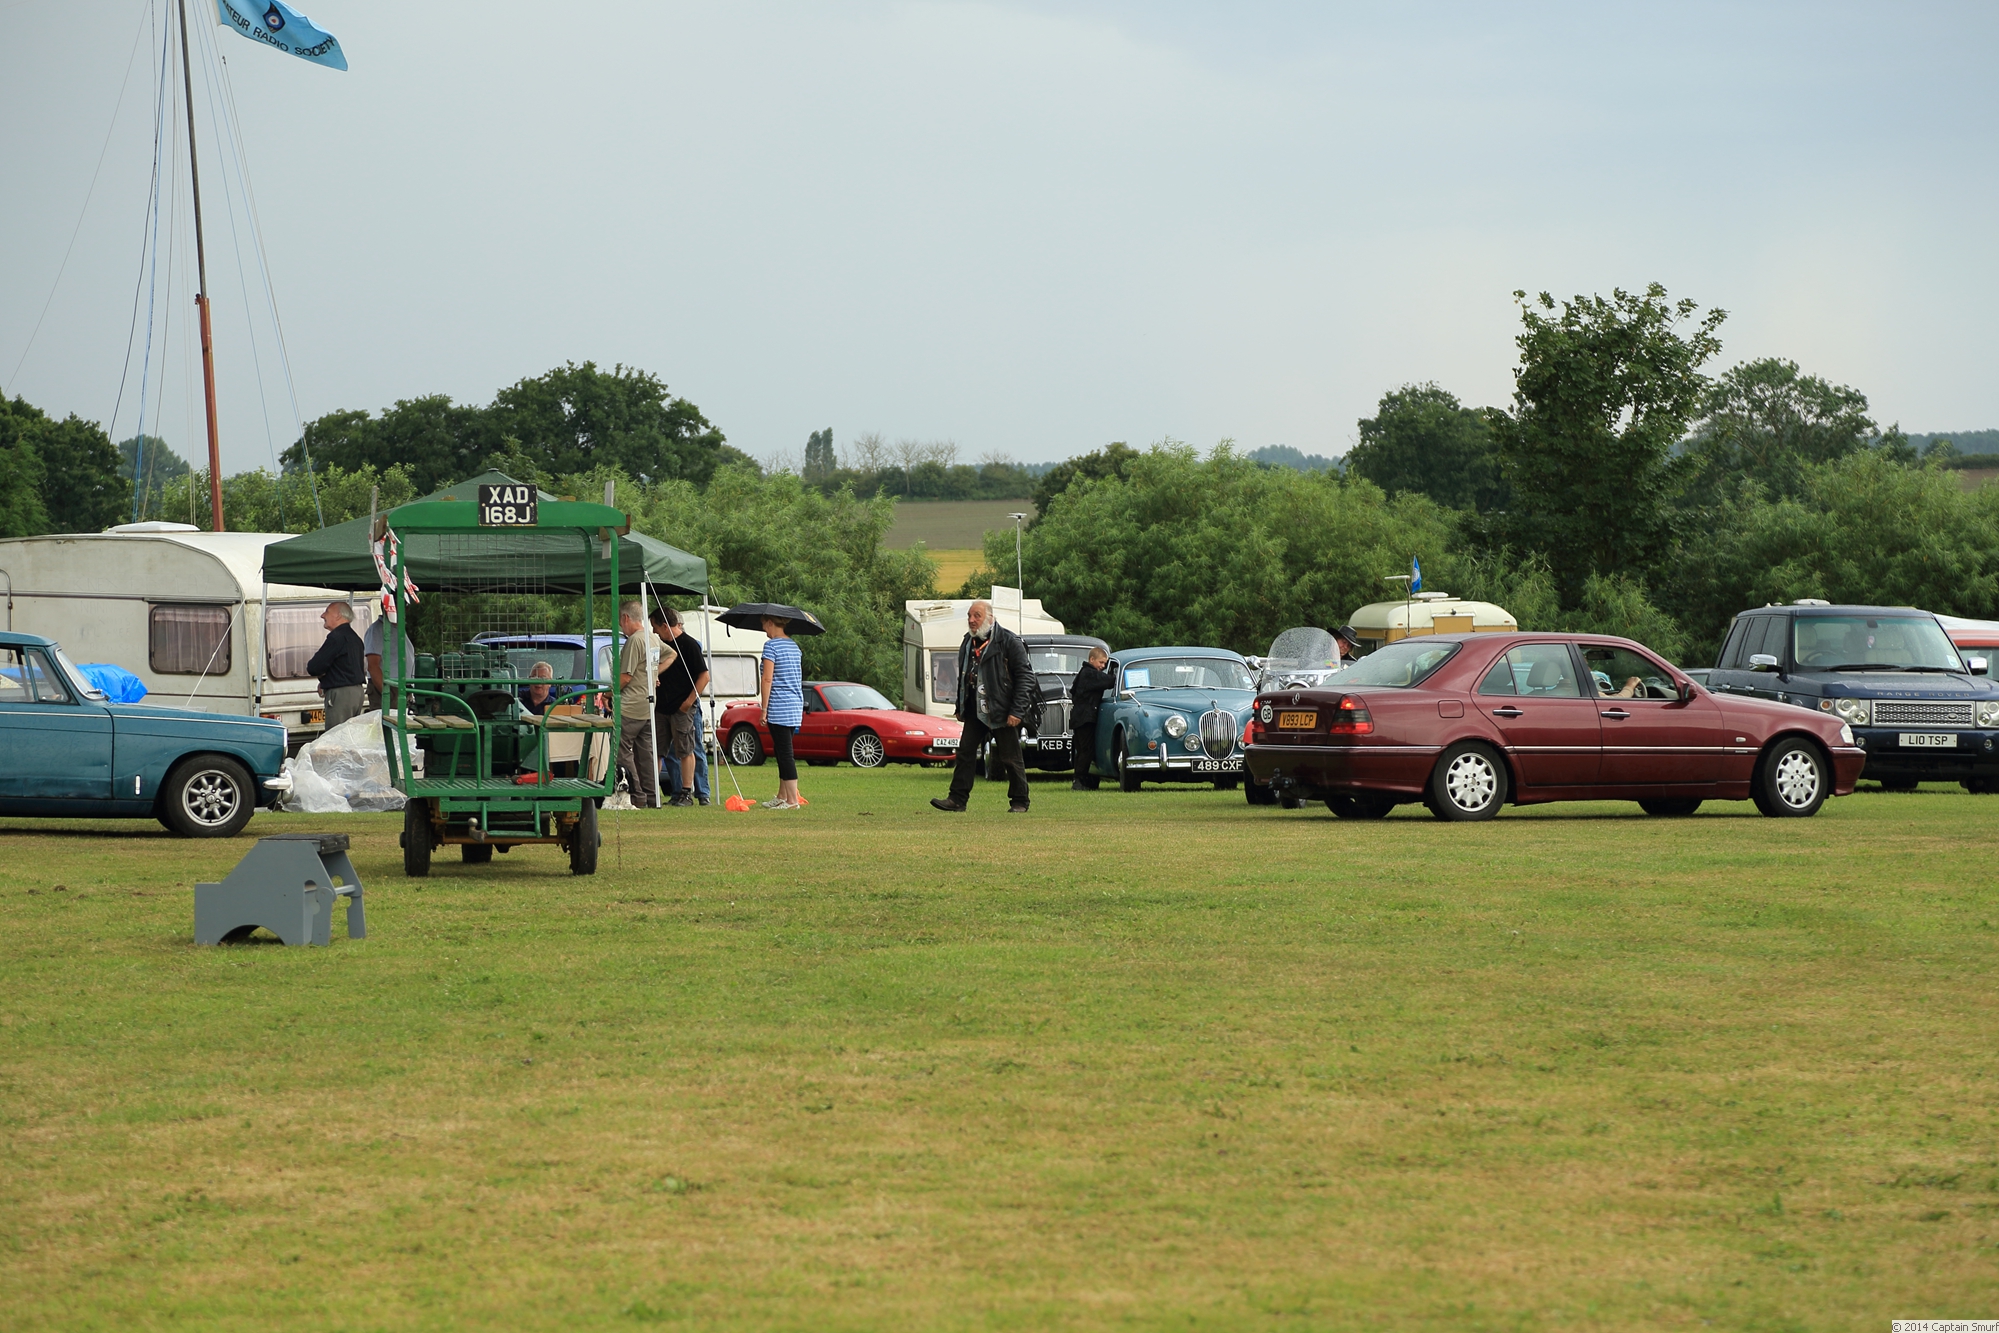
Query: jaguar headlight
(1988,714)
(1853,712)
(1176,726)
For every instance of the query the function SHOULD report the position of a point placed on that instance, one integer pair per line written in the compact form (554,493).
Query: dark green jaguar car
(65,750)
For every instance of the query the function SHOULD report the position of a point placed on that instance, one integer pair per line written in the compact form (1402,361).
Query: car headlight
(1988,714)
(1845,734)
(1854,712)
(1193,742)
(1176,726)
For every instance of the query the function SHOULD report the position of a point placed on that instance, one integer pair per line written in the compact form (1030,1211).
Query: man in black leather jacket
(995,684)
(1087,693)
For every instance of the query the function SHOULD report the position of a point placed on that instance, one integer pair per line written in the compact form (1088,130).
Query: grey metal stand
(287,885)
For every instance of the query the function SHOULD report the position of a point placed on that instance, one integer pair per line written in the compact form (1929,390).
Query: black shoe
(701,800)
(682,802)
(1019,809)
(1077,786)
(944,803)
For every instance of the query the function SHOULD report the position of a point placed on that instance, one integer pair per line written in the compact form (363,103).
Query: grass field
(1137,1061)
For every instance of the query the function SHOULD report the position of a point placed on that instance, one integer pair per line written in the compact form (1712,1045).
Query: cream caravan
(186,611)
(931,632)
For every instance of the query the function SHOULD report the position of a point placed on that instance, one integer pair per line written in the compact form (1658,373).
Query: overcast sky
(1030,228)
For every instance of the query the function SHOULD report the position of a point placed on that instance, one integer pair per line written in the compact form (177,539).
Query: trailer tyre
(583,842)
(416,839)
(208,796)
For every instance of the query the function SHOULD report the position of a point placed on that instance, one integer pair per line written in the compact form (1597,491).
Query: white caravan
(186,611)
(931,633)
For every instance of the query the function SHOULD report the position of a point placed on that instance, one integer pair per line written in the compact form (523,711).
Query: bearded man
(995,683)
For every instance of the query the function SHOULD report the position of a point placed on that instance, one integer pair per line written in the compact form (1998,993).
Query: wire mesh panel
(468,560)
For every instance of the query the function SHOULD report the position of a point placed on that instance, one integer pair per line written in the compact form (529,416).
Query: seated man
(535,698)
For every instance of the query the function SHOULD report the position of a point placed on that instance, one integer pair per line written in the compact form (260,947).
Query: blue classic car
(66,750)
(1175,715)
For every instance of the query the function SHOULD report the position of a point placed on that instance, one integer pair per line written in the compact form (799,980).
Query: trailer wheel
(416,839)
(583,842)
(208,796)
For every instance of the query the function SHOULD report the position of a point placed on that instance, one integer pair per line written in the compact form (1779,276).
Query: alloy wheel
(1470,781)
(210,798)
(1797,779)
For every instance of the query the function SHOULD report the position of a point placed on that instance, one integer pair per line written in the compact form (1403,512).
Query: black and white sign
(509,506)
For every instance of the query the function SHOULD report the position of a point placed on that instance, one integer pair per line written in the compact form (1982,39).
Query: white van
(186,611)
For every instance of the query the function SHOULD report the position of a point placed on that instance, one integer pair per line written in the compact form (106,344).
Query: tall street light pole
(1019,579)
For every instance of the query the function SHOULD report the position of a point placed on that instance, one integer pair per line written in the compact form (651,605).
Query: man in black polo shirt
(338,664)
(679,699)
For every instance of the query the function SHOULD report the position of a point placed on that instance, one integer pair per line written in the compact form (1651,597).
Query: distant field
(951,525)
(954,567)
(1973,477)
(1148,1061)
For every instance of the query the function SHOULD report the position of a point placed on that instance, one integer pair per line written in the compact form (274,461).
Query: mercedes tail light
(1351,717)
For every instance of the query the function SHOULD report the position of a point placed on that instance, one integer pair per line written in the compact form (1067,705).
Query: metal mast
(201,296)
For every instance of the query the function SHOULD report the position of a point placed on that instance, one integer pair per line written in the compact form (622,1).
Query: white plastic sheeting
(345,770)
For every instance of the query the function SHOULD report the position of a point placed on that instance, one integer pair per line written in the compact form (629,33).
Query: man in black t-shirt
(680,687)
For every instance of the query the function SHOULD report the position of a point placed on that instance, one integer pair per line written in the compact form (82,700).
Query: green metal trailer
(478,767)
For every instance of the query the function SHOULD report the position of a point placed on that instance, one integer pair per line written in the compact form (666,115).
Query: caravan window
(292,634)
(189,640)
(944,677)
(734,675)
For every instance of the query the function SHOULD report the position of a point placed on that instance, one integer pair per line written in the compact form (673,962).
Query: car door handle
(1508,711)
(1615,712)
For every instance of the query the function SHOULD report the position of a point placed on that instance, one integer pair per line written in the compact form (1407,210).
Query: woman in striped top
(783,701)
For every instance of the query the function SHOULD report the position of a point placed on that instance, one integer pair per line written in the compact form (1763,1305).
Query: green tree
(60,476)
(1766,422)
(820,463)
(1109,461)
(435,440)
(253,501)
(1422,439)
(160,465)
(1862,528)
(1604,391)
(577,418)
(1221,551)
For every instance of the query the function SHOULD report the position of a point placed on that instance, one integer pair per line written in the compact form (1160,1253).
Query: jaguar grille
(1217,733)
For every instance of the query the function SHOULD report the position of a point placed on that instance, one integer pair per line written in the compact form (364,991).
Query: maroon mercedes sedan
(1468,722)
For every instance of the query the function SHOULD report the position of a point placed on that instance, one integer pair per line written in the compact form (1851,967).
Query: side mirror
(1255,663)
(1762,662)
(1978,666)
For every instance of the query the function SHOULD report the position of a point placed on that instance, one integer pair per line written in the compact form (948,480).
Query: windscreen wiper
(1871,666)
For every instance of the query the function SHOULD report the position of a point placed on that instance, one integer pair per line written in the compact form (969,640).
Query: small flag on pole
(283,27)
(1415,574)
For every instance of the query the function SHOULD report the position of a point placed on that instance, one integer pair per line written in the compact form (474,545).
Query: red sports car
(1467,722)
(845,721)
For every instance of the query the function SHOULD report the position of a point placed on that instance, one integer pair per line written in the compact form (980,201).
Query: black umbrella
(751,615)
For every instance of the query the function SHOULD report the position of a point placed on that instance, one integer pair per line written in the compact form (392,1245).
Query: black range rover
(1921,711)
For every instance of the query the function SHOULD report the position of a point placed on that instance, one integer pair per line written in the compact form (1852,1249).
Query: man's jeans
(671,766)
(1006,754)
